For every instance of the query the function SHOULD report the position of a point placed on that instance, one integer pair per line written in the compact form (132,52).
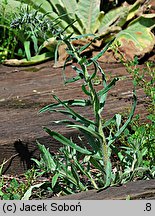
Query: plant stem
(98,118)
(95,101)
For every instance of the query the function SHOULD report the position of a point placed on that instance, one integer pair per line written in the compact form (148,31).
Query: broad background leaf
(137,39)
(88,11)
(115,17)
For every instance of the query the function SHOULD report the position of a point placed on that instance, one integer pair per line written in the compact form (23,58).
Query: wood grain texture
(24,90)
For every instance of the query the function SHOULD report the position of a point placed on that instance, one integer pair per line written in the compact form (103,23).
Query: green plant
(24,32)
(7,40)
(32,30)
(138,152)
(145,78)
(120,23)
(78,160)
(15,188)
(142,77)
(68,168)
(12,191)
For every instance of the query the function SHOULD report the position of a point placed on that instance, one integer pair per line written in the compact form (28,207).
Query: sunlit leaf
(87,11)
(28,193)
(95,58)
(137,39)
(75,114)
(34,60)
(27,50)
(47,157)
(118,121)
(75,102)
(115,17)
(55,179)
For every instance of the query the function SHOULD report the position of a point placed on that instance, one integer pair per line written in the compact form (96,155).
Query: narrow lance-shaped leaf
(27,50)
(67,175)
(127,122)
(78,70)
(55,179)
(108,171)
(76,115)
(28,193)
(81,168)
(104,82)
(75,174)
(95,58)
(85,47)
(47,157)
(108,122)
(35,42)
(96,164)
(69,114)
(103,93)
(75,102)
(74,79)
(87,130)
(92,142)
(108,87)
(67,142)
(66,112)
(95,71)
(63,122)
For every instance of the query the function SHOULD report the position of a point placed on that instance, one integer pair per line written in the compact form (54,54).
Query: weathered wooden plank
(23,91)
(142,189)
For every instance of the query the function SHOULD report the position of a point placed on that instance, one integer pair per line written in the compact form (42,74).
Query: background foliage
(131,25)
